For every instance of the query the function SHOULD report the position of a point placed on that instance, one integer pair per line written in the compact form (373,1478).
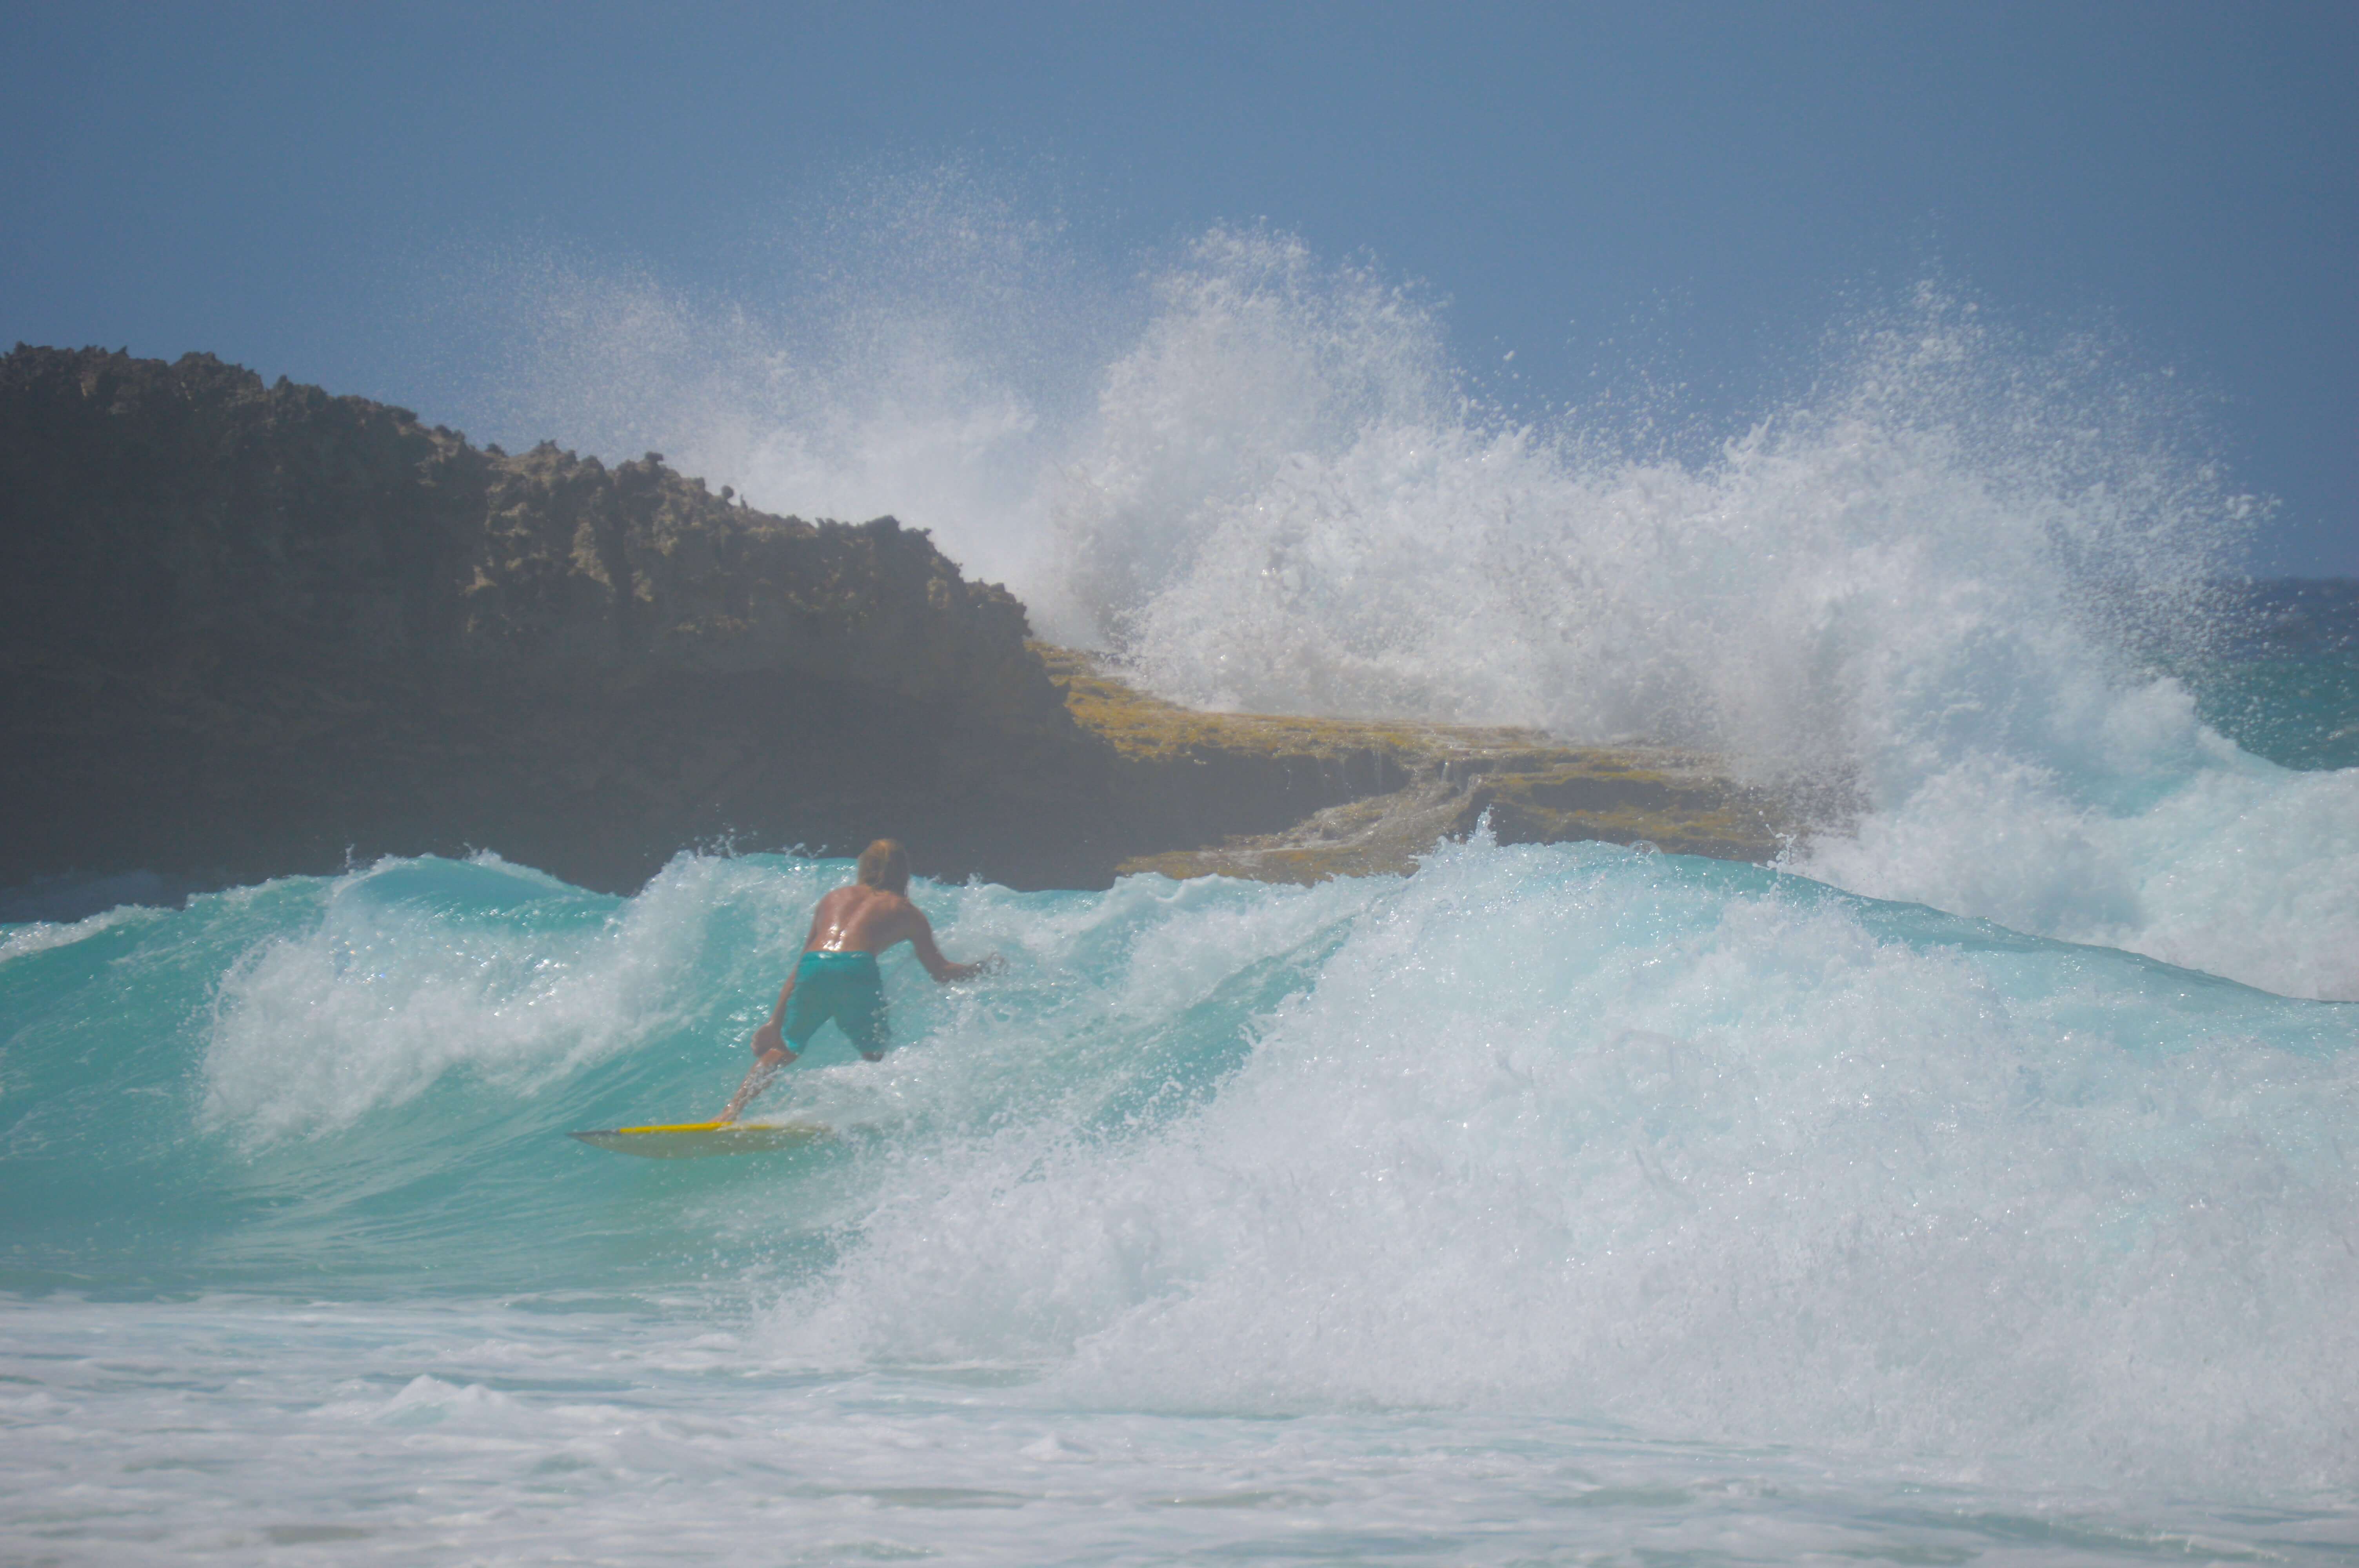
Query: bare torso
(862,919)
(855,919)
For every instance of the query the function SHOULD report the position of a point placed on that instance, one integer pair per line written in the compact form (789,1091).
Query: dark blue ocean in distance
(2283,683)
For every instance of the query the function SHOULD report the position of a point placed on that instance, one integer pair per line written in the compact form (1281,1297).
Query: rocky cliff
(248,629)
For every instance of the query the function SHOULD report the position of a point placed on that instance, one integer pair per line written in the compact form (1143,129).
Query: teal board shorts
(845,987)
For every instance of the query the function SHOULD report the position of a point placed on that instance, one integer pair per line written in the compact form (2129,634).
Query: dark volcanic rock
(249,630)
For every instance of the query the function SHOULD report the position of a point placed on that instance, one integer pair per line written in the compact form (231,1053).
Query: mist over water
(1938,586)
(922,345)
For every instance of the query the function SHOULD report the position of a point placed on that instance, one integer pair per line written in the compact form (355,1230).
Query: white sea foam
(1621,1197)
(40,936)
(415,972)
(1930,588)
(1573,1131)
(400,1433)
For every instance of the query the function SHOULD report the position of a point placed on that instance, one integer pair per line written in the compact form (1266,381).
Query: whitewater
(1973,1183)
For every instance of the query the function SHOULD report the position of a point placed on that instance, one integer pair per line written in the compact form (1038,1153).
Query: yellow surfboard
(697,1140)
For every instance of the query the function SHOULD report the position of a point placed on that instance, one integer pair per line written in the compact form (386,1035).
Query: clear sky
(1714,182)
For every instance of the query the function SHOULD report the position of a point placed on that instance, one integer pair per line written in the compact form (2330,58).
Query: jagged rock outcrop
(1280,798)
(250,629)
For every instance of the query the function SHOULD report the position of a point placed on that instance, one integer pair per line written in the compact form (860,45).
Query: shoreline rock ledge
(1279,798)
(251,630)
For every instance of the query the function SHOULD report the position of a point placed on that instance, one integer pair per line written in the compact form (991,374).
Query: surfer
(837,976)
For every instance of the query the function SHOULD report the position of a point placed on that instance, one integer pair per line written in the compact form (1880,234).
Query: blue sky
(1693,191)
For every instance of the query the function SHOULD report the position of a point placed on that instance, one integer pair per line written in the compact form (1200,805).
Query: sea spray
(1639,1139)
(921,345)
(1951,594)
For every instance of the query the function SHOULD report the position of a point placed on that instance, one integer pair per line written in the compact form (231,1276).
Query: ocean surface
(1551,1204)
(1978,1183)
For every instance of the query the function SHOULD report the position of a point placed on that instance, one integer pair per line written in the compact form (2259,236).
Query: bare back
(864,919)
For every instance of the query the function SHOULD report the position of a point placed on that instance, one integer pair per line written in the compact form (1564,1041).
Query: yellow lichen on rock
(1375,796)
(1143,728)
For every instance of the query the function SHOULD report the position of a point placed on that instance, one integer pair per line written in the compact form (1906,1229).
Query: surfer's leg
(816,995)
(860,1014)
(867,1033)
(808,1003)
(847,988)
(766,1067)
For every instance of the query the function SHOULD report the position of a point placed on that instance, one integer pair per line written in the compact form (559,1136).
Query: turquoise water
(2285,685)
(1975,1185)
(1551,1202)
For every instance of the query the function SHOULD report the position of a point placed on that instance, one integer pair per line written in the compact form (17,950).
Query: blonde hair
(886,864)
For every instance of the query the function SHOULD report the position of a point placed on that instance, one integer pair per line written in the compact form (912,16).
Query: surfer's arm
(921,937)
